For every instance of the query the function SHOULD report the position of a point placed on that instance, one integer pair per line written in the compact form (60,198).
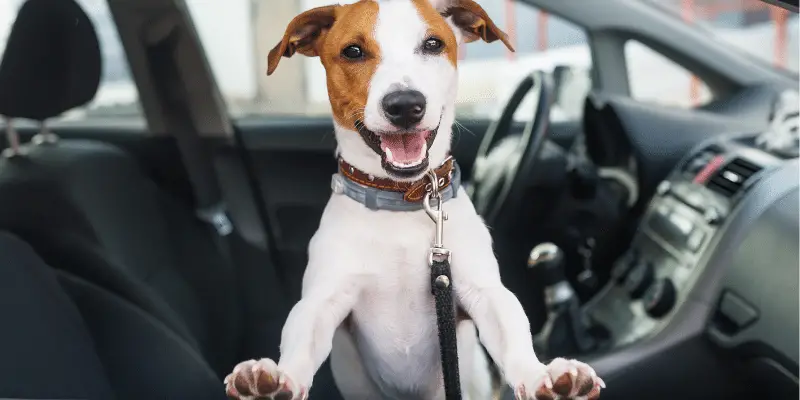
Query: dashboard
(715,257)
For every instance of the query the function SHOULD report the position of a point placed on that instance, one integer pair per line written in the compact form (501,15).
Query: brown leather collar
(413,191)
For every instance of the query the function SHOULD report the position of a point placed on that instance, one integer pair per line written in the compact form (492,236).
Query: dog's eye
(432,45)
(353,52)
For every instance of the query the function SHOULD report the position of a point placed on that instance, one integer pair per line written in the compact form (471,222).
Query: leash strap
(446,324)
(442,290)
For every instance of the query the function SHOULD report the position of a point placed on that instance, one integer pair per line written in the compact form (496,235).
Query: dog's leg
(349,372)
(329,294)
(505,332)
(504,328)
(476,379)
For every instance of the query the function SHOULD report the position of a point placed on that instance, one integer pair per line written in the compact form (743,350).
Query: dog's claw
(563,380)
(260,380)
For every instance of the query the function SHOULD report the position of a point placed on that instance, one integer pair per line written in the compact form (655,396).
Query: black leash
(442,290)
(446,322)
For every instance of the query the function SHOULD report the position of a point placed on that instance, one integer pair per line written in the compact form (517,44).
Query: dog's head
(391,73)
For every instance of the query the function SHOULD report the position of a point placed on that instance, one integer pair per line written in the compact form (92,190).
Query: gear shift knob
(564,331)
(547,261)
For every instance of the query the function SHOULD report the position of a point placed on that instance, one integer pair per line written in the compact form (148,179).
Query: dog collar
(390,195)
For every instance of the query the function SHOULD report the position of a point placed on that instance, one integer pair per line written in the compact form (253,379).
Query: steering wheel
(497,178)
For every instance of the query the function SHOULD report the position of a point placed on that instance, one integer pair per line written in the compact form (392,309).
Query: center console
(677,243)
(667,255)
(707,290)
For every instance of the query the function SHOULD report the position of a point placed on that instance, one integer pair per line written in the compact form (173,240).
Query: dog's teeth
(389,157)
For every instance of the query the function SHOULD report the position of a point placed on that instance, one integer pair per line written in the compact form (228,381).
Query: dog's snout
(404,108)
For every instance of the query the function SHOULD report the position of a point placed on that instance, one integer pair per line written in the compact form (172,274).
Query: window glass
(238,34)
(763,31)
(675,86)
(117,95)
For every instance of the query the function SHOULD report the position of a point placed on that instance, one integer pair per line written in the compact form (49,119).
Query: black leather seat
(168,315)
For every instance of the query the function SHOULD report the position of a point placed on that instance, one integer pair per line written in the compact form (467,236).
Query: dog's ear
(440,5)
(473,21)
(302,34)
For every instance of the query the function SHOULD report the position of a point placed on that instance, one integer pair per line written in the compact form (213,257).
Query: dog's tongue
(404,148)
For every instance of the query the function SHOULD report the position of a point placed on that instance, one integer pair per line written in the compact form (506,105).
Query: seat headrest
(51,63)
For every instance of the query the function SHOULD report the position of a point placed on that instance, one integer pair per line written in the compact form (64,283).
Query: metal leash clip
(438,251)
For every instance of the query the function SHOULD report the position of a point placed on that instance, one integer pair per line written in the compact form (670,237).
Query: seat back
(51,64)
(89,208)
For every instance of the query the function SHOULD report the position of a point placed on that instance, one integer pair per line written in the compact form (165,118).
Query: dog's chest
(394,321)
(396,301)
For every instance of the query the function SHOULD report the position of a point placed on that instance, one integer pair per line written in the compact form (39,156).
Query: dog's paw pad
(565,380)
(260,380)
(266,377)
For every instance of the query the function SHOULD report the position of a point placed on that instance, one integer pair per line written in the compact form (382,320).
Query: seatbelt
(209,205)
(197,159)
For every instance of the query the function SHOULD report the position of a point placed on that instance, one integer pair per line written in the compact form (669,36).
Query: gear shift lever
(565,332)
(547,260)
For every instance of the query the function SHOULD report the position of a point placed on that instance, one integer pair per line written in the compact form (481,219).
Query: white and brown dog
(366,299)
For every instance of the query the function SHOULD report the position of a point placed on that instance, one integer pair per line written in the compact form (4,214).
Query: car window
(764,32)
(117,95)
(238,34)
(675,85)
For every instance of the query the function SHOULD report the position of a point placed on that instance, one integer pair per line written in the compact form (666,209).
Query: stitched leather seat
(168,315)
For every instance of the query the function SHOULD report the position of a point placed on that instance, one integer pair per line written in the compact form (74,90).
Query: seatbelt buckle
(217,218)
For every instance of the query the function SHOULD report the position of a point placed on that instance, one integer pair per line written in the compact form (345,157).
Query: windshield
(764,32)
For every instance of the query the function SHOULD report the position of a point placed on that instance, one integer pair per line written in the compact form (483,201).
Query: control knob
(712,216)
(660,298)
(639,279)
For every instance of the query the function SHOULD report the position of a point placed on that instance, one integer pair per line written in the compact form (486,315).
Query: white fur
(395,325)
(372,265)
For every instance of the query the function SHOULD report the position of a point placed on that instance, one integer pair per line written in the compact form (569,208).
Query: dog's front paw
(562,380)
(261,380)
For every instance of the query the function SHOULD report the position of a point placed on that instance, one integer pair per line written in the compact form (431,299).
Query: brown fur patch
(302,35)
(438,27)
(325,32)
(475,23)
(348,81)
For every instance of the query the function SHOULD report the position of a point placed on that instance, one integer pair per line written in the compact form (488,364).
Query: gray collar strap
(377,199)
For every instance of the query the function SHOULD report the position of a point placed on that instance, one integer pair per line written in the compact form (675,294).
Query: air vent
(697,162)
(728,181)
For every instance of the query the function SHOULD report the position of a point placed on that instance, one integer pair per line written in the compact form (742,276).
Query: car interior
(144,261)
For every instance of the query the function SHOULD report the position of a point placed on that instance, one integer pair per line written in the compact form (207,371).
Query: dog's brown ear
(302,34)
(473,21)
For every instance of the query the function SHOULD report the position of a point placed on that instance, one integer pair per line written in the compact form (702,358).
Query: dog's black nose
(404,108)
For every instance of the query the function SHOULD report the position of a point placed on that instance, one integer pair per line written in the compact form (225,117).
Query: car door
(283,121)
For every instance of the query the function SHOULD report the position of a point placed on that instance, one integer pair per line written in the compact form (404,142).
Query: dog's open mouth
(403,154)
(405,150)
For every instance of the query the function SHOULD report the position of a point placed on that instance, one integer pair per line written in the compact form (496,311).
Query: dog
(391,69)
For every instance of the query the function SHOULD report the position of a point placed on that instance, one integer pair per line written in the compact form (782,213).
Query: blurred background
(238,34)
